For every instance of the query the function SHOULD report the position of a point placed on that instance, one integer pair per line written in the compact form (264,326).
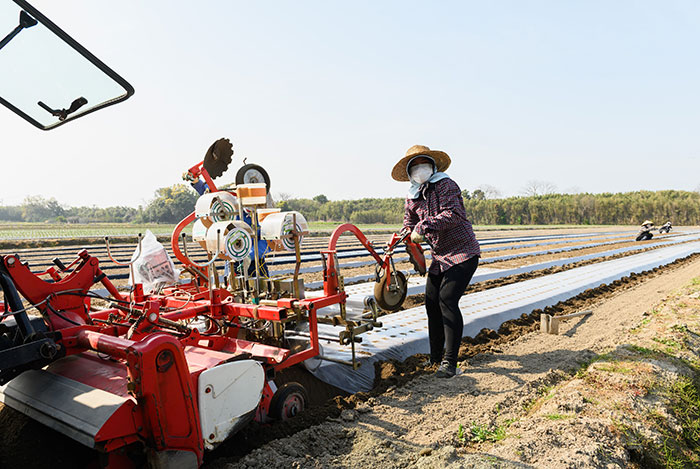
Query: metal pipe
(123,264)
(256,254)
(113,346)
(243,266)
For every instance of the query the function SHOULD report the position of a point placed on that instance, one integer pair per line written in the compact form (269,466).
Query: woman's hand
(417,237)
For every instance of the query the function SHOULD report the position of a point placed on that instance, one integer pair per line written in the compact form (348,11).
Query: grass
(670,343)
(477,433)
(582,371)
(642,351)
(66,230)
(684,395)
(544,393)
(675,450)
(638,328)
(615,367)
(559,416)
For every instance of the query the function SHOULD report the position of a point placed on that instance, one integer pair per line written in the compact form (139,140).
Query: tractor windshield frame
(77,47)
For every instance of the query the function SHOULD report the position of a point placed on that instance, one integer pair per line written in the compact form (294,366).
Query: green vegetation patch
(556,416)
(674,449)
(480,433)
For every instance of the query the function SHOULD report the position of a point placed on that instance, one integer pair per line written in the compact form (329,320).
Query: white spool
(199,233)
(216,206)
(278,226)
(252,194)
(234,240)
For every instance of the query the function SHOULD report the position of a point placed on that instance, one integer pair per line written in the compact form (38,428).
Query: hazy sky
(597,96)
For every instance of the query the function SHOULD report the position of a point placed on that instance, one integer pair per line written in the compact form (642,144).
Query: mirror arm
(25,21)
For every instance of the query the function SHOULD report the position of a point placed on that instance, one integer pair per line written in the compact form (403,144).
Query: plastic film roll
(199,233)
(234,240)
(264,212)
(215,207)
(278,227)
(252,194)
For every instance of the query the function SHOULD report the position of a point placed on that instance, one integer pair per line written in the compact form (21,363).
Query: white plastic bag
(153,267)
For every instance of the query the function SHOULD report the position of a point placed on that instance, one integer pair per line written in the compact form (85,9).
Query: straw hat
(442,161)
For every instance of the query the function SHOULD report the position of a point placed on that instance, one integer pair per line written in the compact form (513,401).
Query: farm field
(517,385)
(24,230)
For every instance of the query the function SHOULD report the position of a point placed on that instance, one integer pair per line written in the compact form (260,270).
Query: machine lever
(206,264)
(130,264)
(124,264)
(61,266)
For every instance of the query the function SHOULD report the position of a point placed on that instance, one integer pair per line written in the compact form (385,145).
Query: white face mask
(420,173)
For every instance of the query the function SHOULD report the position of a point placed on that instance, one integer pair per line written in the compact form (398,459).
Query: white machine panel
(229,394)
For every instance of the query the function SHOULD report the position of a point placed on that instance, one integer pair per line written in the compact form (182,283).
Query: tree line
(680,207)
(171,204)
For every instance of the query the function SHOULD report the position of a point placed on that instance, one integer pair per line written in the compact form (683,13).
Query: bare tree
(536,187)
(490,192)
(283,196)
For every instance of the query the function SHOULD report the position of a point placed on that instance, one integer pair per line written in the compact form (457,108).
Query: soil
(522,386)
(514,379)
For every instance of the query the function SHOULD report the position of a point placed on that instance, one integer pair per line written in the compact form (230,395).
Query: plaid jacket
(441,218)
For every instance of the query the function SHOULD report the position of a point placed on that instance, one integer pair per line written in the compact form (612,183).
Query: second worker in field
(434,212)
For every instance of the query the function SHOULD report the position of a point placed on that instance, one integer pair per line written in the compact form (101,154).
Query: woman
(434,212)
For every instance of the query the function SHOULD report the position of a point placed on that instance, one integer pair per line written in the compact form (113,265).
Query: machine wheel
(392,298)
(252,173)
(288,401)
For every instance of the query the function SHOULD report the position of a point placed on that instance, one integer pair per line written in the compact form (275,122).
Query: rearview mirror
(47,77)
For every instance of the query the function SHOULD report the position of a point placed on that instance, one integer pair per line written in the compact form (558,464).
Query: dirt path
(528,397)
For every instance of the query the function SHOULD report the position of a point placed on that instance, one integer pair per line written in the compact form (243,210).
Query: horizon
(2,204)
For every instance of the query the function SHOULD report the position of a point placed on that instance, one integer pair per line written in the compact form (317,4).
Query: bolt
(208,389)
(10,260)
(212,436)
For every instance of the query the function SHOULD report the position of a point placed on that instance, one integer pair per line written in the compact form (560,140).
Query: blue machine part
(200,186)
(263,249)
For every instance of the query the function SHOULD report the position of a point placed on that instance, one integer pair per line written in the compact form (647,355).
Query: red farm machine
(158,375)
(179,369)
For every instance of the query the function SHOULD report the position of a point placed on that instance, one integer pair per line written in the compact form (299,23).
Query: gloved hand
(417,237)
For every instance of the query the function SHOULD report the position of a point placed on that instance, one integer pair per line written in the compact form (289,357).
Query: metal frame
(36,14)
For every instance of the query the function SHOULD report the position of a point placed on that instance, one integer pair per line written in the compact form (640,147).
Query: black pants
(442,293)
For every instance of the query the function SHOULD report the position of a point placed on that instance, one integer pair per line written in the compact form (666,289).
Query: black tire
(391,300)
(288,401)
(251,173)
(649,235)
(639,237)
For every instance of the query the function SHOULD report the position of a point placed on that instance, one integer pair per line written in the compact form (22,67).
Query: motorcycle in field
(666,227)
